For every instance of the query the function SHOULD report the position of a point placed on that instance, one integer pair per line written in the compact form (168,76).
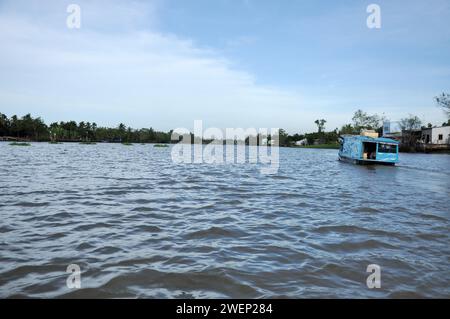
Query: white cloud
(134,75)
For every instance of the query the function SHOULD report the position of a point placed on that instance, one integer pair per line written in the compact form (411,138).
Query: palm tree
(320,124)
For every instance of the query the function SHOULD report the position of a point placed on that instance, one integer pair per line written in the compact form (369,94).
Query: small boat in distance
(368,148)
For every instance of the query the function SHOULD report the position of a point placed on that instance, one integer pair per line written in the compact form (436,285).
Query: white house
(436,135)
(302,142)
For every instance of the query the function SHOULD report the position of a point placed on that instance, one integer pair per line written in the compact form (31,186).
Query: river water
(139,225)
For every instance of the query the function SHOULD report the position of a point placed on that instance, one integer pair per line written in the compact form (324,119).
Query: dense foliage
(35,129)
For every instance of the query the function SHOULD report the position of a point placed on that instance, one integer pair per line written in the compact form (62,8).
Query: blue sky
(230,63)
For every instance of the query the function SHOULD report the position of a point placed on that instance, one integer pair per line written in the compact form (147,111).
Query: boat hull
(364,162)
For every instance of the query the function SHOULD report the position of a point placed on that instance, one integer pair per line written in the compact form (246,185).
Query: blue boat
(360,149)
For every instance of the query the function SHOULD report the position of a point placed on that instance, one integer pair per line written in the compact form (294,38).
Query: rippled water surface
(140,226)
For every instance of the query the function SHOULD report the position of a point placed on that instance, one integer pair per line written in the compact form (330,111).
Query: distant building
(426,139)
(302,142)
(392,129)
(436,135)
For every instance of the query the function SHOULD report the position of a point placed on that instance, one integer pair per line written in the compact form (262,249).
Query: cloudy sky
(230,63)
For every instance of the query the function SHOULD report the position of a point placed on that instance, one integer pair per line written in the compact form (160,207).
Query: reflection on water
(140,226)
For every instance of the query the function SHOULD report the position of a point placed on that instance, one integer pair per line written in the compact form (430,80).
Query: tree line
(35,129)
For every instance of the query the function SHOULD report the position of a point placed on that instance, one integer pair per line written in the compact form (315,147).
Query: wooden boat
(368,149)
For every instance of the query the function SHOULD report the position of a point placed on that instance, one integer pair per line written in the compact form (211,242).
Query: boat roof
(371,139)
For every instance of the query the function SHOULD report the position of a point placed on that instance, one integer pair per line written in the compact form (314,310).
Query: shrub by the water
(19,144)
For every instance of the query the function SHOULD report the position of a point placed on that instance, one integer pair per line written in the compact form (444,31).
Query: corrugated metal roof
(371,139)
